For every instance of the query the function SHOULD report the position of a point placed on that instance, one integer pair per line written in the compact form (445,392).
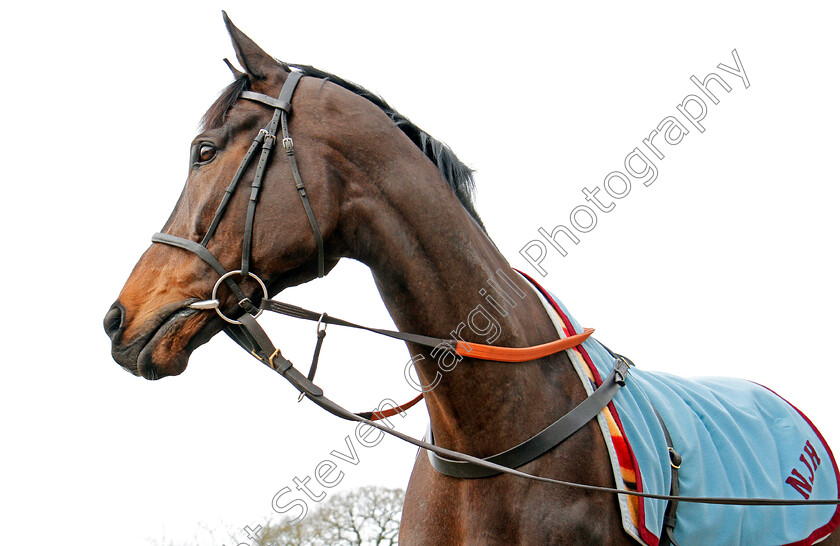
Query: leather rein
(247,332)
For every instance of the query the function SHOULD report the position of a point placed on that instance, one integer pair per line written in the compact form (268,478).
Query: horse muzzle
(159,349)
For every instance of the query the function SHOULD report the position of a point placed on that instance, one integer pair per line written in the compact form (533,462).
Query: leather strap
(463,348)
(523,354)
(283,107)
(289,147)
(390,412)
(301,313)
(268,101)
(300,382)
(266,139)
(202,252)
(267,145)
(276,361)
(191,246)
(284,99)
(316,355)
(232,187)
(669,522)
(545,440)
(250,333)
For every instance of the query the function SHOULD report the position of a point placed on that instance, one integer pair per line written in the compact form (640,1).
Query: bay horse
(380,191)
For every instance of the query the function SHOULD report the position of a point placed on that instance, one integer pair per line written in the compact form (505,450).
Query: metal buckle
(288,144)
(263,134)
(216,289)
(271,359)
(274,366)
(621,369)
(676,460)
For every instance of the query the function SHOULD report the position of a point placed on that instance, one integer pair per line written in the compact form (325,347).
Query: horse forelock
(215,115)
(453,171)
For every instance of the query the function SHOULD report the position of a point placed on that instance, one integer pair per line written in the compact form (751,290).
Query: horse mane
(454,172)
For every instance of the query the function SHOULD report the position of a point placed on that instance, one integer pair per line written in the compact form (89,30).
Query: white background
(725,265)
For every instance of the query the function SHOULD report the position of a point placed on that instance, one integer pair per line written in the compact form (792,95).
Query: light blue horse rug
(736,439)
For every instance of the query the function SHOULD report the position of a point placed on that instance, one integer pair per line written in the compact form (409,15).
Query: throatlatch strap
(288,145)
(283,107)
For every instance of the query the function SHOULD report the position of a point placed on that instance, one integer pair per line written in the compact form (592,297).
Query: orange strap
(390,412)
(523,354)
(500,354)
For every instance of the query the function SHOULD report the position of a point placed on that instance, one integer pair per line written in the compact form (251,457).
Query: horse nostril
(114,321)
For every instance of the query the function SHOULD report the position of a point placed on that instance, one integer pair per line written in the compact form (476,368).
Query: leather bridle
(247,332)
(265,141)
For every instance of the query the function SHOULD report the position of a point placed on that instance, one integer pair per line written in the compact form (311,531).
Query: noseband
(266,140)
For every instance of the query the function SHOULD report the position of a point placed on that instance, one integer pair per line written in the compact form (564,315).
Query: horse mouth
(165,348)
(148,366)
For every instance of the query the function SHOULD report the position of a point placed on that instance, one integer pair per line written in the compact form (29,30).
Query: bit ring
(222,279)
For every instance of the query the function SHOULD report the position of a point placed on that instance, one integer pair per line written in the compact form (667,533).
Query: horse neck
(440,275)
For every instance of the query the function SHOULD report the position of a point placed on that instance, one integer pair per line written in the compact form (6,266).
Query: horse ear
(236,72)
(256,62)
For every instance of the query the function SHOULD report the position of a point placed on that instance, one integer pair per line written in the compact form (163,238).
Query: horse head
(152,326)
(365,169)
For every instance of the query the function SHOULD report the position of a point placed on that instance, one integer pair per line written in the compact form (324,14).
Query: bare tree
(368,516)
(283,534)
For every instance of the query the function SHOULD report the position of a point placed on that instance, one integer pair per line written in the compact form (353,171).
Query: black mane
(452,170)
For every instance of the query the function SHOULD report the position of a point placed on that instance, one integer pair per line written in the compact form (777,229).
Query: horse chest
(440,510)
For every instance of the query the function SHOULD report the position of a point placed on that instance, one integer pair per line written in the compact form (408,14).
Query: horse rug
(736,439)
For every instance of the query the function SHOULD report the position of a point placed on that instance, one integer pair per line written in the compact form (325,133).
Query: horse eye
(206,152)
